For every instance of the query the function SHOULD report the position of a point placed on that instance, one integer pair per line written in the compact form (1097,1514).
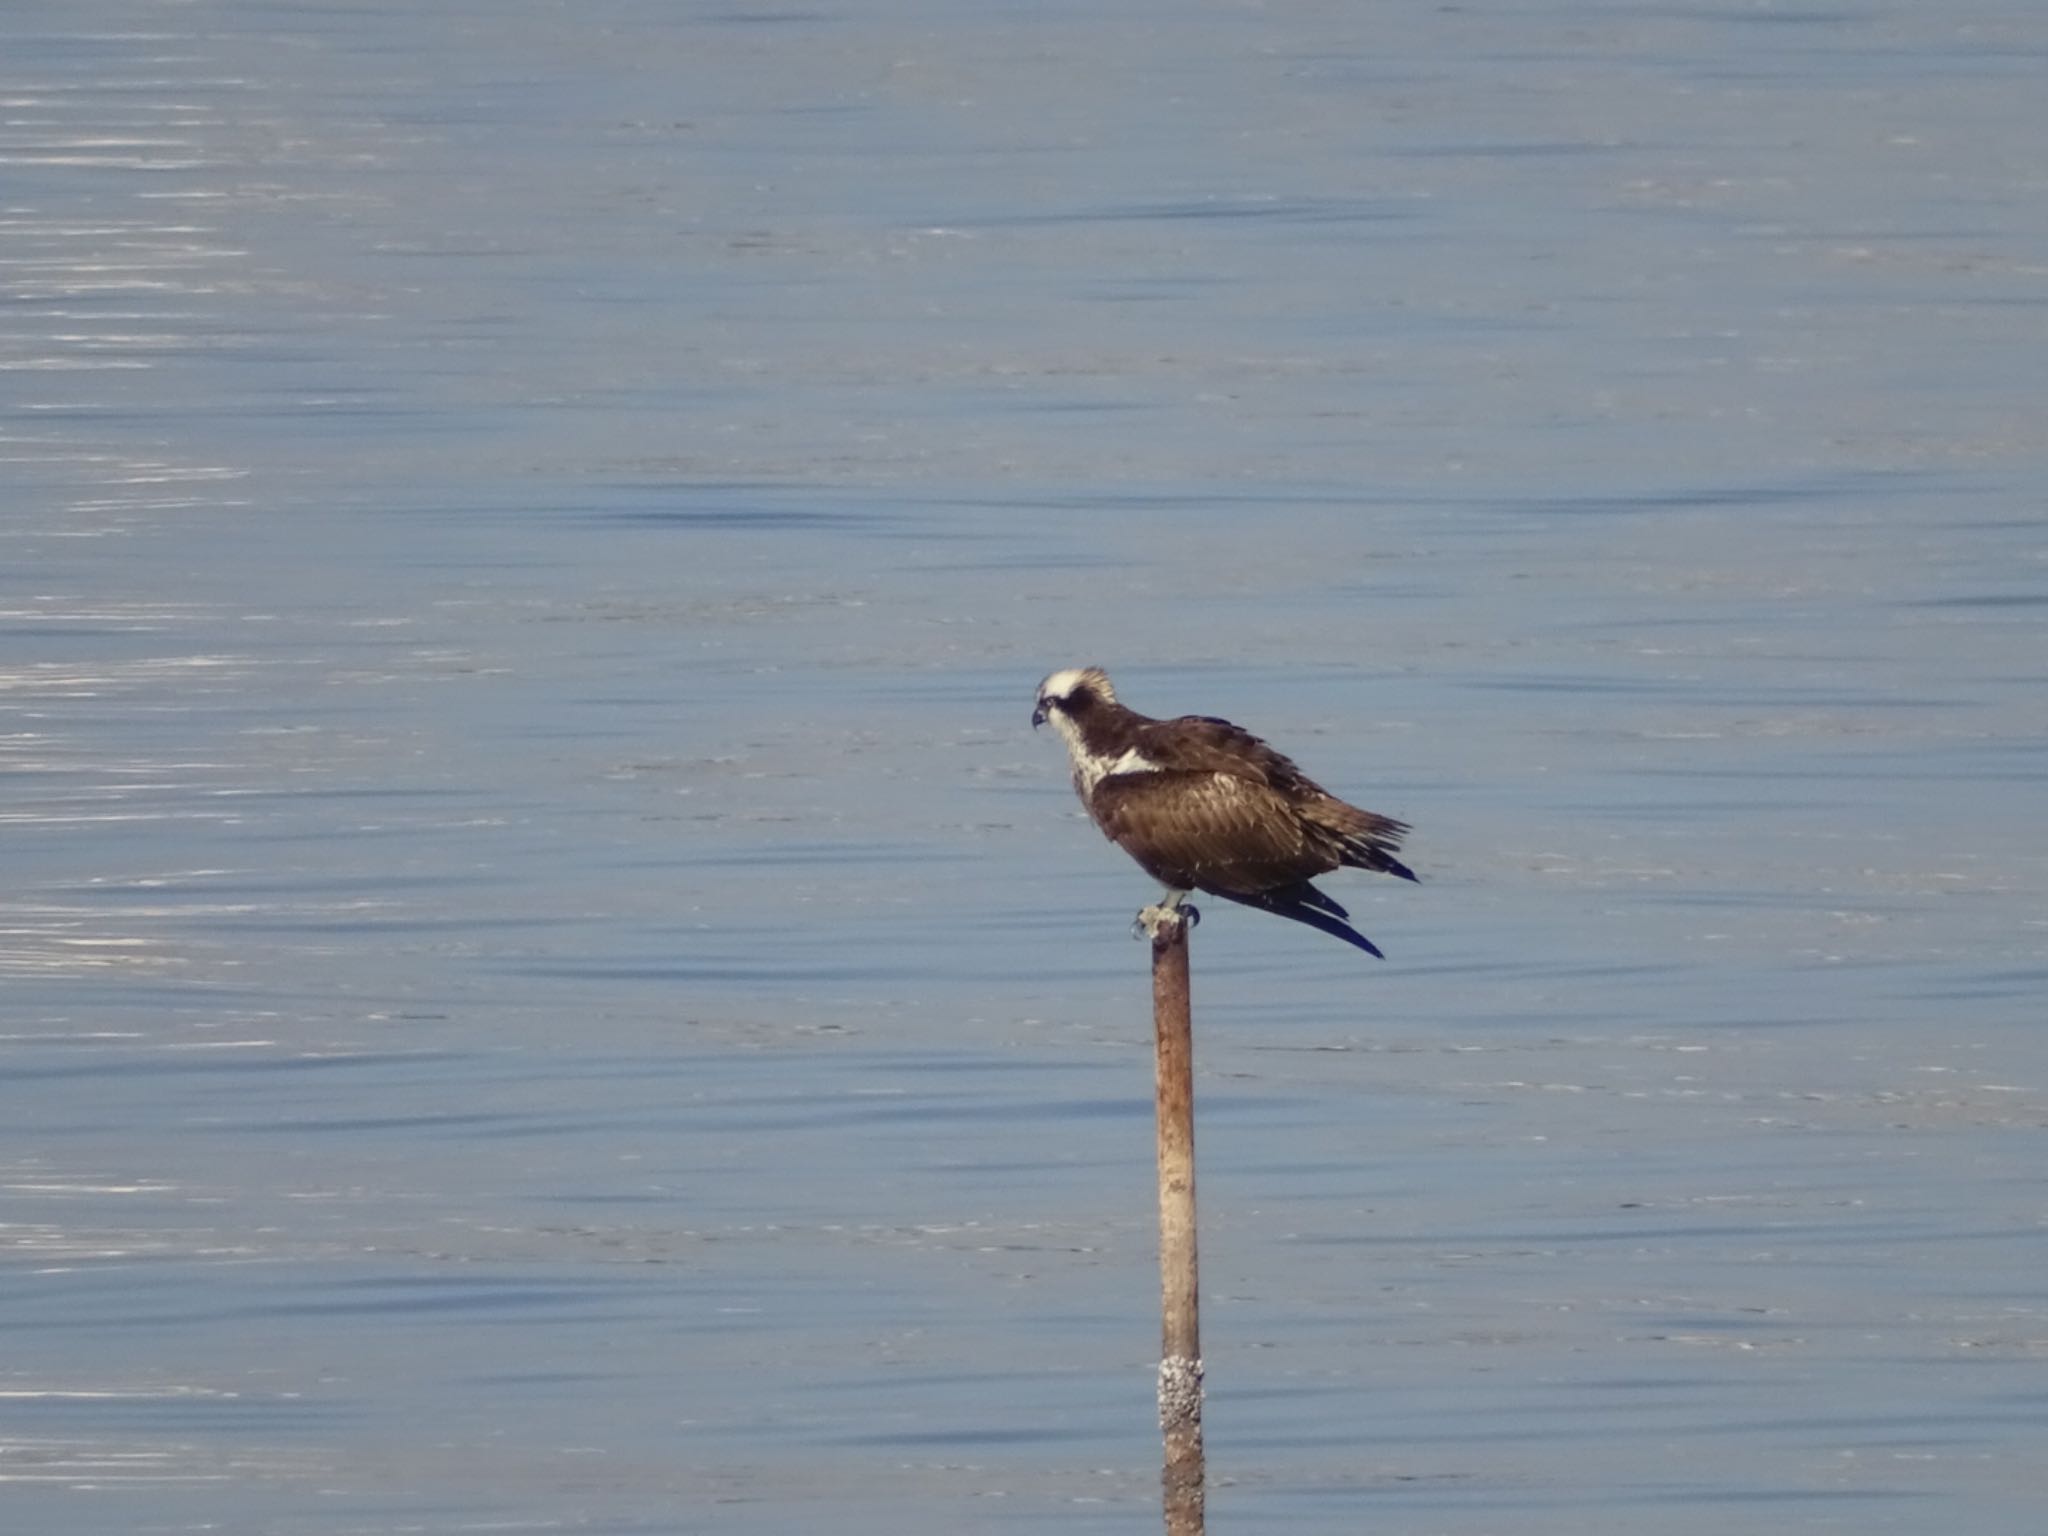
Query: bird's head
(1067,696)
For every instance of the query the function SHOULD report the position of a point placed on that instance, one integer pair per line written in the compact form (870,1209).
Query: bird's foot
(1153,920)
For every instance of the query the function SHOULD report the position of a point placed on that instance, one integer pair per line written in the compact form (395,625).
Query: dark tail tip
(1368,856)
(1305,904)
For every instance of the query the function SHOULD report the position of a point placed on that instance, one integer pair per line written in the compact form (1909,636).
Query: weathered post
(1180,1366)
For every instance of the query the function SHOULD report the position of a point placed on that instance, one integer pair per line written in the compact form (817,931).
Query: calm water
(549,987)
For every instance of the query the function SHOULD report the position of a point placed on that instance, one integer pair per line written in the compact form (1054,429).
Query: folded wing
(1212,831)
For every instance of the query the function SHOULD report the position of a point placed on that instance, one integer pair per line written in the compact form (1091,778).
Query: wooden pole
(1180,1366)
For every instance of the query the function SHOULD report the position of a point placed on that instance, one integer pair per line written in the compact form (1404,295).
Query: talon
(1192,913)
(1151,919)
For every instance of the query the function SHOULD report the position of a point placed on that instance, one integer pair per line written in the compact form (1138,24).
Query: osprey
(1205,806)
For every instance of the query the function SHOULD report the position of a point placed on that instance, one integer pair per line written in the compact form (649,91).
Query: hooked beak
(1038,717)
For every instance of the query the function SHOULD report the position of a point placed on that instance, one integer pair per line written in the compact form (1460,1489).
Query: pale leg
(1172,907)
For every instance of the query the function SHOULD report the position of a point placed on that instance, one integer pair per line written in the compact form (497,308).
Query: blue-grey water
(548,985)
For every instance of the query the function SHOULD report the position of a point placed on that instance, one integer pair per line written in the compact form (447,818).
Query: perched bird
(1203,805)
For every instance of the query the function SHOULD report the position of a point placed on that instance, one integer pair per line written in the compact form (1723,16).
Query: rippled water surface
(549,986)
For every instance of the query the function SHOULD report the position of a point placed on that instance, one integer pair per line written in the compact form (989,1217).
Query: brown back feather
(1202,743)
(1212,830)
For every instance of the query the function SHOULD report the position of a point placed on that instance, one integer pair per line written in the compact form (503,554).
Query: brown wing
(1364,840)
(1212,831)
(1200,743)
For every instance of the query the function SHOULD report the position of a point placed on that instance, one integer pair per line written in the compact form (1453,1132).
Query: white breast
(1091,769)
